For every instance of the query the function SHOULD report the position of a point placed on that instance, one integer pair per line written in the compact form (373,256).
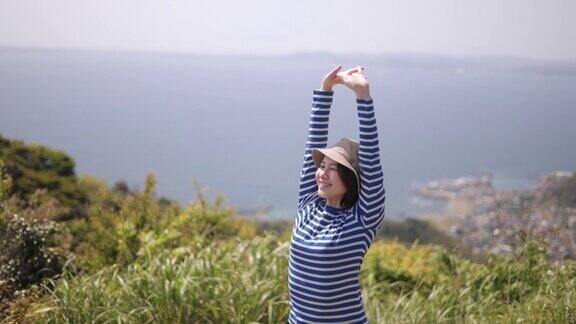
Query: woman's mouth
(323,185)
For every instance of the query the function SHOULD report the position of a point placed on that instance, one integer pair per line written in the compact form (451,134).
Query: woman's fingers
(331,78)
(335,70)
(357,70)
(351,71)
(337,80)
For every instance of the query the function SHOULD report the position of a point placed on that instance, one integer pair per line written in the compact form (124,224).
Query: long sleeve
(317,138)
(370,207)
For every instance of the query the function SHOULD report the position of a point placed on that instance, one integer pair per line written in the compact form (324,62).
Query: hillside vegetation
(134,257)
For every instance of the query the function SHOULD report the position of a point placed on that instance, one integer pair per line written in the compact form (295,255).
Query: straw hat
(344,152)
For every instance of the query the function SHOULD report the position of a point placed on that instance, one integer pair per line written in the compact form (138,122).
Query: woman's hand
(352,78)
(356,80)
(331,79)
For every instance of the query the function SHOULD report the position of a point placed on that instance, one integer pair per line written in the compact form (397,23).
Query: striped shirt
(328,244)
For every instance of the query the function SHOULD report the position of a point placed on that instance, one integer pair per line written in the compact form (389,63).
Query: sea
(236,125)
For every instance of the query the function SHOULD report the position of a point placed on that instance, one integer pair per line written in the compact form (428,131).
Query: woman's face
(330,185)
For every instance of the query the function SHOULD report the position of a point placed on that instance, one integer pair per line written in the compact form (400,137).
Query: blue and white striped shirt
(328,244)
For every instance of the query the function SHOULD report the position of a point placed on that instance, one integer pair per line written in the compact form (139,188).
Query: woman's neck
(334,203)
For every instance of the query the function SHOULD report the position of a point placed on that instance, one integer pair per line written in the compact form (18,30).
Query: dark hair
(349,179)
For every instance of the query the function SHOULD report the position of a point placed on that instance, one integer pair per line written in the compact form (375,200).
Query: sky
(540,29)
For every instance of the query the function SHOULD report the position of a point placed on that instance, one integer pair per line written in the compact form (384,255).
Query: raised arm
(317,134)
(317,138)
(370,206)
(372,193)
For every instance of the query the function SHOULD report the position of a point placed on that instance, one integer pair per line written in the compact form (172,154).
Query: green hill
(32,167)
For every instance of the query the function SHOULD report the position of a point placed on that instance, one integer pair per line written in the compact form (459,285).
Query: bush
(565,193)
(410,230)
(121,225)
(32,167)
(29,250)
(27,254)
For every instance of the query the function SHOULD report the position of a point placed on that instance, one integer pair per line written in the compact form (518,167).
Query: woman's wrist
(326,86)
(363,94)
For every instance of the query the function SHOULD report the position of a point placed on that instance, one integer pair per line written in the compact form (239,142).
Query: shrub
(32,167)
(120,225)
(28,246)
(27,254)
(565,193)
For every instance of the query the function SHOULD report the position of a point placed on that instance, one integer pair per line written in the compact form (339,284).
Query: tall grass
(424,284)
(240,281)
(226,282)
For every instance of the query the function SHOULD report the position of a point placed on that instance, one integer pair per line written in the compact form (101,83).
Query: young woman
(340,208)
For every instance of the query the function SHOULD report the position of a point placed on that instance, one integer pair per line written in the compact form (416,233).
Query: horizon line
(414,54)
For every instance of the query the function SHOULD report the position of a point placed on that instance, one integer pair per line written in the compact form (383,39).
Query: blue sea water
(237,124)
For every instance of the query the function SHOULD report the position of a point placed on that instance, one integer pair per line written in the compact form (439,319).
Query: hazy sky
(528,28)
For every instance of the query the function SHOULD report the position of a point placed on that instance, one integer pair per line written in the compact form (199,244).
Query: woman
(340,208)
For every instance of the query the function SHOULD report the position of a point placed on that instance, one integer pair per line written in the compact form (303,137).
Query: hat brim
(319,154)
